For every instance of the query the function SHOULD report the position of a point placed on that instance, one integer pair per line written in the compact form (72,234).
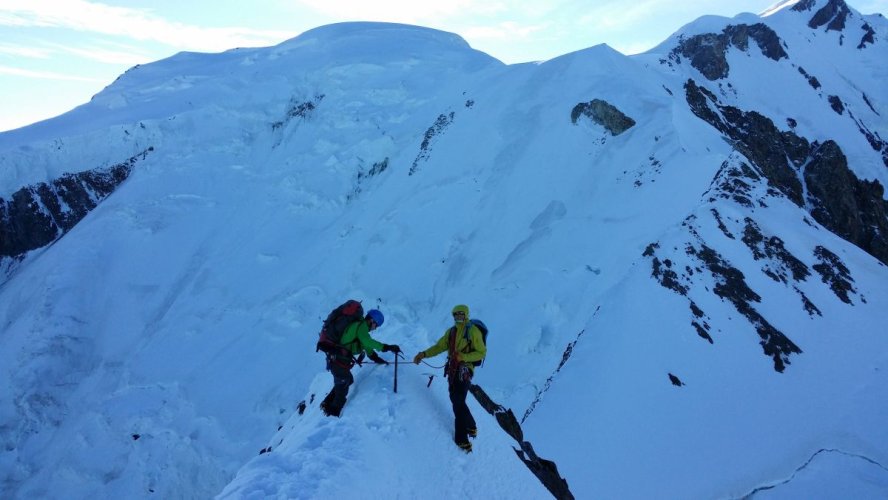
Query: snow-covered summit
(419,38)
(392,61)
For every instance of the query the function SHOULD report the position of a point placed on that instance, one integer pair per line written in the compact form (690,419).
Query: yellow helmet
(461,309)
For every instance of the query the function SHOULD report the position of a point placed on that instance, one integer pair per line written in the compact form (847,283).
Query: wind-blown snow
(158,346)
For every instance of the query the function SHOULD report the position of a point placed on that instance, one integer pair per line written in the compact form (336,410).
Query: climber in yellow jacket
(464,349)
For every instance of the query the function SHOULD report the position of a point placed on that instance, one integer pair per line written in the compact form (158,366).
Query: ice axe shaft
(396,373)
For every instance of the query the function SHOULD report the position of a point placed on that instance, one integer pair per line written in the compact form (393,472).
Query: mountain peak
(809,5)
(832,13)
(363,30)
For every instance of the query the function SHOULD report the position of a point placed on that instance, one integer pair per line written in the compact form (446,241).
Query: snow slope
(385,445)
(158,346)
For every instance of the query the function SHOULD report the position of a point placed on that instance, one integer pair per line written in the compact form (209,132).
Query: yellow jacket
(467,351)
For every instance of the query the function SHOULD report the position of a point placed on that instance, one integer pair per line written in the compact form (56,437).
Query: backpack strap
(451,345)
(467,334)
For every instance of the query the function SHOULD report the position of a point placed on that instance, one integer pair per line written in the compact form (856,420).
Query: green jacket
(466,352)
(356,338)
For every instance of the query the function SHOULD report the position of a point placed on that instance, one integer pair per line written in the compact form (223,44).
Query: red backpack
(329,340)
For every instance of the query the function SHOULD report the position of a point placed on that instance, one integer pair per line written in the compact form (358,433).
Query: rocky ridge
(36,216)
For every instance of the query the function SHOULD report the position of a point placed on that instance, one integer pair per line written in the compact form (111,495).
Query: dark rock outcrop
(734,182)
(425,149)
(835,102)
(731,286)
(812,81)
(603,113)
(834,273)
(869,37)
(702,331)
(777,262)
(804,5)
(668,277)
(299,110)
(721,224)
(784,265)
(777,154)
(37,215)
(376,169)
(852,208)
(545,470)
(874,139)
(833,15)
(708,52)
(700,321)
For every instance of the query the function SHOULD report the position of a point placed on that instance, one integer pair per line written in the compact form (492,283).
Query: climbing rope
(433,366)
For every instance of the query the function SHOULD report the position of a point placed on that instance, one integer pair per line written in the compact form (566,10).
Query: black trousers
(342,379)
(463,420)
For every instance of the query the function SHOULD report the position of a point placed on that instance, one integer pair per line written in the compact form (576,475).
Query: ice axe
(397,355)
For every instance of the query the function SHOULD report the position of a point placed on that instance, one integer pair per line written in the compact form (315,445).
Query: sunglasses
(459,315)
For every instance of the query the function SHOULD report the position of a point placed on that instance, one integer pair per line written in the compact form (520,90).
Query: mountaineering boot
(473,433)
(466,447)
(328,408)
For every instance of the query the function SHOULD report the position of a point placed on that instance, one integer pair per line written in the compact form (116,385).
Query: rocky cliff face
(708,52)
(775,161)
(850,207)
(37,215)
(834,16)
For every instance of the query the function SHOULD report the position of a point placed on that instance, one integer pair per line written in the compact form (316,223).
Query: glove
(419,357)
(376,359)
(391,348)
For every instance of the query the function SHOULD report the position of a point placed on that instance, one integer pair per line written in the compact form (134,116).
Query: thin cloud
(431,13)
(109,56)
(507,30)
(10,19)
(618,16)
(123,54)
(45,75)
(403,11)
(139,24)
(21,51)
(635,48)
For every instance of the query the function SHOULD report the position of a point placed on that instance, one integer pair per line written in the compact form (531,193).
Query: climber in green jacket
(355,341)
(464,349)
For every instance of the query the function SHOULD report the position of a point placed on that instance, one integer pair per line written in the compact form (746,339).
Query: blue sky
(56,54)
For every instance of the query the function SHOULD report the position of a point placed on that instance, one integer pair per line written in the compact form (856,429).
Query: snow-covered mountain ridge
(681,253)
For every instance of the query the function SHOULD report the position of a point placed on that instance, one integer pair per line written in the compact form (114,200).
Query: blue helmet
(376,316)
